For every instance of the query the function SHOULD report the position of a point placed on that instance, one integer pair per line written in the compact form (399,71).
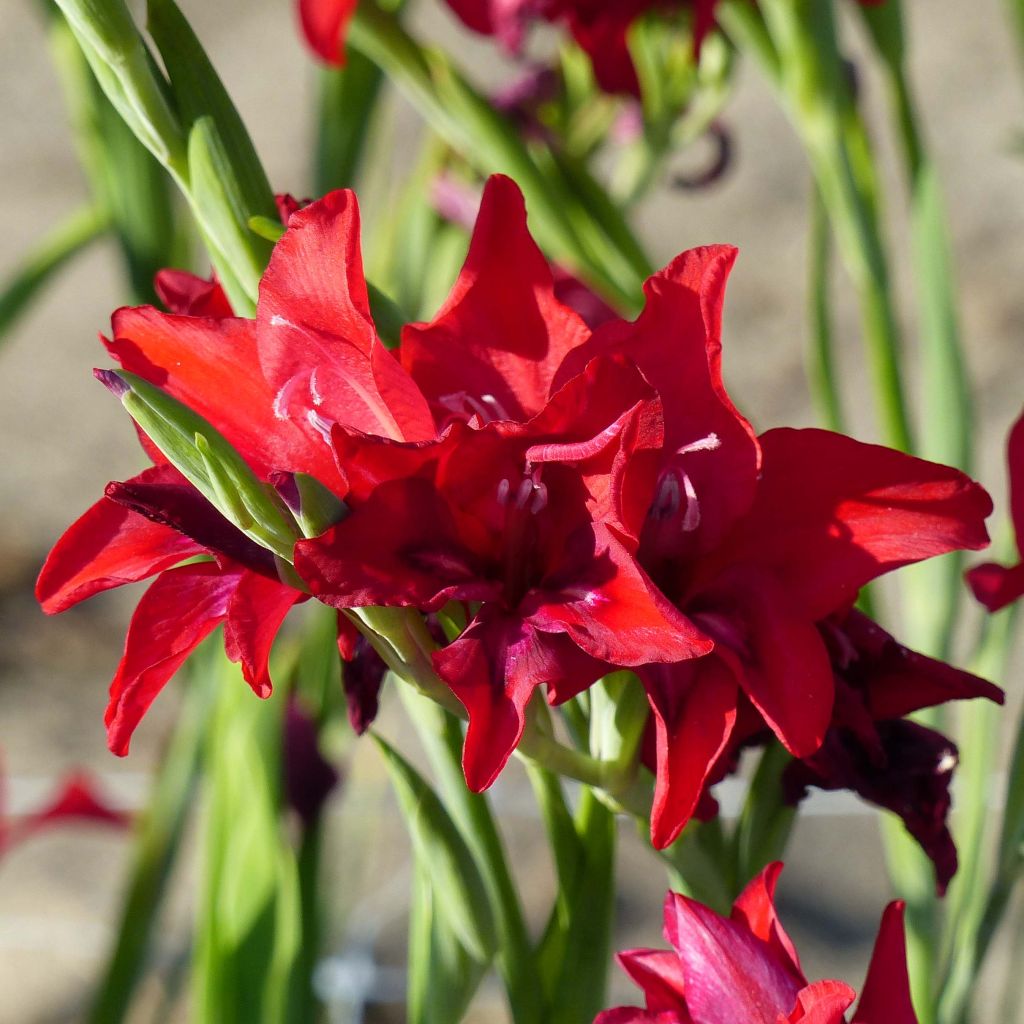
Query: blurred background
(63,438)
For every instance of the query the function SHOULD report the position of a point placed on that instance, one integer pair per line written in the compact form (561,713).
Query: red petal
(324,23)
(782,663)
(898,681)
(824,1002)
(190,295)
(832,513)
(399,548)
(493,669)
(180,609)
(608,422)
(501,335)
(755,908)
(634,1015)
(317,343)
(255,612)
(885,998)
(660,975)
(694,705)
(730,975)
(609,607)
(995,586)
(212,366)
(677,344)
(107,547)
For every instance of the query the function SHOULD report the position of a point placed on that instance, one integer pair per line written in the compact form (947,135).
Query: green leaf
(204,456)
(223,210)
(248,930)
(41,264)
(157,843)
(575,952)
(443,977)
(199,94)
(444,855)
(766,820)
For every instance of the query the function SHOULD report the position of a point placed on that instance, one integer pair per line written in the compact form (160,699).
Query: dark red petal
(659,974)
(362,677)
(784,666)
(996,586)
(694,705)
(906,770)
(256,610)
(896,681)
(399,548)
(730,975)
(885,997)
(317,343)
(610,608)
(180,609)
(308,777)
(164,496)
(493,669)
(601,32)
(824,1002)
(501,334)
(1015,468)
(832,513)
(755,908)
(323,24)
(211,365)
(677,344)
(107,547)
(190,295)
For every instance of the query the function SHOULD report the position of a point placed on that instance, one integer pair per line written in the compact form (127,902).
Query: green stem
(57,248)
(978,903)
(570,220)
(822,372)
(808,73)
(159,835)
(441,736)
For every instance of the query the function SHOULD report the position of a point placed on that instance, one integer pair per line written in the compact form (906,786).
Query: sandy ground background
(63,438)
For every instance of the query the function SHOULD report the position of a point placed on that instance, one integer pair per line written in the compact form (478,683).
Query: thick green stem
(441,736)
(805,66)
(158,840)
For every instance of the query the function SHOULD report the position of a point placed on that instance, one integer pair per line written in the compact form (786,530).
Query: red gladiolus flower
(996,586)
(504,514)
(869,747)
(758,539)
(324,23)
(77,800)
(259,382)
(744,968)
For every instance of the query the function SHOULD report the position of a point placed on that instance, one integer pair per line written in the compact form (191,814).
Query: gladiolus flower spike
(592,497)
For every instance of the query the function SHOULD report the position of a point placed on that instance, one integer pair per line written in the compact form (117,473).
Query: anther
(504,487)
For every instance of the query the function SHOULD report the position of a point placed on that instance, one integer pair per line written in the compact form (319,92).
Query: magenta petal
(755,908)
(659,974)
(824,1002)
(730,975)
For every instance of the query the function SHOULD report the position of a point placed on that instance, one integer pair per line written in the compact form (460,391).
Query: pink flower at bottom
(744,968)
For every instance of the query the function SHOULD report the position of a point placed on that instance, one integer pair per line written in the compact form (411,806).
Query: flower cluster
(574,501)
(600,28)
(745,968)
